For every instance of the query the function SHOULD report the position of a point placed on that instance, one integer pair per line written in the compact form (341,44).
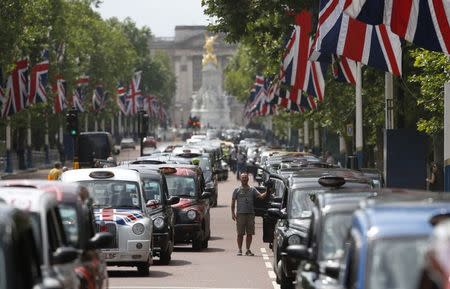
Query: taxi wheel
(165,257)
(197,244)
(143,269)
(205,244)
(286,283)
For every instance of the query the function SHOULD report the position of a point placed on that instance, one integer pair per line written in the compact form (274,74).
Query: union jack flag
(16,89)
(426,23)
(60,98)
(122,99)
(134,95)
(344,70)
(98,98)
(121,217)
(373,45)
(79,93)
(39,81)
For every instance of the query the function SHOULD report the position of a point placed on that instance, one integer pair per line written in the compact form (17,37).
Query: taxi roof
(27,199)
(83,174)
(401,218)
(64,192)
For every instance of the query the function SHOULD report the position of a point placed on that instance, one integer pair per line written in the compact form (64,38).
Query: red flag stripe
(441,18)
(390,52)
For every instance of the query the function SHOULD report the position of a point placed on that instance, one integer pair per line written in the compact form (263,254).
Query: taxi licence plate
(110,255)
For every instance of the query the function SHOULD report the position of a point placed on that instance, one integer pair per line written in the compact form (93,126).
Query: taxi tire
(143,269)
(286,283)
(205,244)
(197,244)
(165,257)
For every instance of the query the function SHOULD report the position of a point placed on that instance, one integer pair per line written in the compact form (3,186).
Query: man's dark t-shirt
(245,199)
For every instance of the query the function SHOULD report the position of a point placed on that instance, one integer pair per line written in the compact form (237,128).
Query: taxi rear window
(181,186)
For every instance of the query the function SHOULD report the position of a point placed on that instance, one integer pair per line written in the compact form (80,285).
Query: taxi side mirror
(64,255)
(100,240)
(173,200)
(332,271)
(152,204)
(276,213)
(298,252)
(205,195)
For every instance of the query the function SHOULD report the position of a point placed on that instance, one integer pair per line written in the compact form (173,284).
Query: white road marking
(272,274)
(263,250)
(275,285)
(265,257)
(269,265)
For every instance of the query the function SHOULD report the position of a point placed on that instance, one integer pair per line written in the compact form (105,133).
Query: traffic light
(143,123)
(72,122)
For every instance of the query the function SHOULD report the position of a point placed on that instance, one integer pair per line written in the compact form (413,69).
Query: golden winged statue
(209,56)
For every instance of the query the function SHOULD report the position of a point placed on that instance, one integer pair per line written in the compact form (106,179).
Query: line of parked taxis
(64,234)
(331,227)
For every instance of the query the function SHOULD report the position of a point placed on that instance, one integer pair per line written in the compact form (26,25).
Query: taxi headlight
(294,240)
(191,214)
(138,229)
(158,223)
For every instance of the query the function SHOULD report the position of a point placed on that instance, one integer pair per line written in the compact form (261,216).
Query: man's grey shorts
(245,224)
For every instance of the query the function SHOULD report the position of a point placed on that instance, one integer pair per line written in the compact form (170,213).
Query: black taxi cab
(75,208)
(192,213)
(19,256)
(159,206)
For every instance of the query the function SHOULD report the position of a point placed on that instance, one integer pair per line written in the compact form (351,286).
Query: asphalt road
(213,268)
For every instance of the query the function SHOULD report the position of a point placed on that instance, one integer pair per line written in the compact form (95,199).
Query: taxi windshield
(389,256)
(152,189)
(300,204)
(181,186)
(114,193)
(334,232)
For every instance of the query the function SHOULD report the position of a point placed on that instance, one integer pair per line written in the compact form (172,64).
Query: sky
(161,16)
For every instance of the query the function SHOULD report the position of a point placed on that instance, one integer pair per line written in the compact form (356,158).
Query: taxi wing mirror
(173,200)
(276,213)
(152,204)
(64,255)
(298,252)
(205,195)
(332,270)
(100,240)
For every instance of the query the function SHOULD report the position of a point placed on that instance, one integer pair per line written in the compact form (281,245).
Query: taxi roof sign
(101,174)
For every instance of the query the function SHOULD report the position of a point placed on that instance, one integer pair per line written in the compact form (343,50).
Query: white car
(120,209)
(127,143)
(58,261)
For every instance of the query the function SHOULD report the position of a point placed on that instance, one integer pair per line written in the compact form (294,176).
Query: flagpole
(119,125)
(306,134)
(300,139)
(342,149)
(46,142)
(8,166)
(102,124)
(316,148)
(447,137)
(29,152)
(112,126)
(389,100)
(86,120)
(359,117)
(61,143)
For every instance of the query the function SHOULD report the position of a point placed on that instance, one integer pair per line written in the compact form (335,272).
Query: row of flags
(348,31)
(26,87)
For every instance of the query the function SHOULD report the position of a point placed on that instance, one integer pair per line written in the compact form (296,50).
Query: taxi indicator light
(331,181)
(101,174)
(167,170)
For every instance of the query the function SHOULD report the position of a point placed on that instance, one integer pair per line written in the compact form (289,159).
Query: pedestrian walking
(329,158)
(244,213)
(241,162)
(436,179)
(55,173)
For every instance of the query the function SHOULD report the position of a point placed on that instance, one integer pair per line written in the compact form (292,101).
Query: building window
(196,72)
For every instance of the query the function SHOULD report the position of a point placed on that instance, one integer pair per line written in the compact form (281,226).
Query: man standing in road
(244,216)
(55,173)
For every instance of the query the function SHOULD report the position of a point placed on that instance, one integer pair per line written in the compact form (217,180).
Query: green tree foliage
(80,42)
(434,72)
